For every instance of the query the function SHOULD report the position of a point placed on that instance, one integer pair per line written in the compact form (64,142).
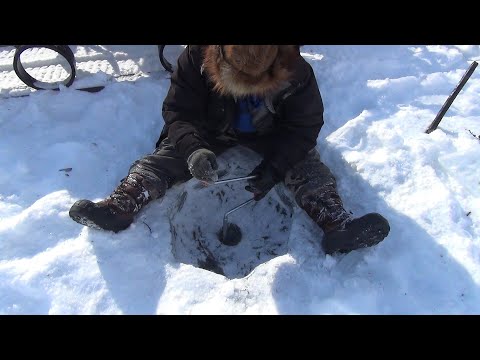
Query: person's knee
(309,173)
(155,185)
(164,163)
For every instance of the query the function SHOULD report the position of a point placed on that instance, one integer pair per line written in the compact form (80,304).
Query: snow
(378,100)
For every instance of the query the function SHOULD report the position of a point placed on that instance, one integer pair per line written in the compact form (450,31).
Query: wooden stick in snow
(451,98)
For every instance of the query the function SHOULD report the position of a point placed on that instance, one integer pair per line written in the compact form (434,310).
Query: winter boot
(342,232)
(315,192)
(357,233)
(117,211)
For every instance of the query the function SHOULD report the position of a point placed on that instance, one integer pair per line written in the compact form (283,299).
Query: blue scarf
(245,107)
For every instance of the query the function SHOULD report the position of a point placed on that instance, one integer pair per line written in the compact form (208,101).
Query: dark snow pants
(311,181)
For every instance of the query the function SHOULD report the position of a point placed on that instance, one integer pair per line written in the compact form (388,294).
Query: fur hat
(241,70)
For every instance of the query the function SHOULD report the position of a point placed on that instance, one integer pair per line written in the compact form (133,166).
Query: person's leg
(148,179)
(315,191)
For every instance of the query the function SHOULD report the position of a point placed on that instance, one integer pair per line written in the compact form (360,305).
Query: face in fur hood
(241,70)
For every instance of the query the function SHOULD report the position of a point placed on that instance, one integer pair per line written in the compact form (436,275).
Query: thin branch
(147,226)
(475,136)
(451,98)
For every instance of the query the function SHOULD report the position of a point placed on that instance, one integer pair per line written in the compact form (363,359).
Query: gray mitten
(203,166)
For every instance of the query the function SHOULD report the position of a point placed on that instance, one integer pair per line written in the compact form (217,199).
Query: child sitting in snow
(264,97)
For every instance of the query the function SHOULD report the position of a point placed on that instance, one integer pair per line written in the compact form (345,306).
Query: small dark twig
(475,136)
(451,98)
(147,226)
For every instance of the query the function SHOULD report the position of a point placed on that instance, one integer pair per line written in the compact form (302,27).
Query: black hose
(63,50)
(164,61)
(67,53)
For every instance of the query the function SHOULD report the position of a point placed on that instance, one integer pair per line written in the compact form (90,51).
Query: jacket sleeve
(298,127)
(185,106)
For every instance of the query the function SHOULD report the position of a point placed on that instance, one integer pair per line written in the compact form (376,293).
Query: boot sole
(81,212)
(365,232)
(86,213)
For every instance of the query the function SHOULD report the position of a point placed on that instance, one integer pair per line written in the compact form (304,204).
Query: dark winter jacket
(197,116)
